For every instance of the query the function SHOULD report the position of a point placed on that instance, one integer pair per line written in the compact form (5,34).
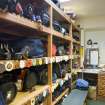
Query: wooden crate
(101,86)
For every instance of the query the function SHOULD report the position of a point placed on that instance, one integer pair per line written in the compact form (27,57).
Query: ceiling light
(63,1)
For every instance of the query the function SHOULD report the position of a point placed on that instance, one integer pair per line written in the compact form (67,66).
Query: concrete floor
(92,102)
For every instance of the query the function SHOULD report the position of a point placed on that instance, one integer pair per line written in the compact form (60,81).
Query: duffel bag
(57,70)
(54,50)
(30,48)
(11,6)
(9,91)
(82,84)
(2,102)
(30,80)
(28,12)
(61,50)
(57,25)
(42,74)
(43,77)
(45,19)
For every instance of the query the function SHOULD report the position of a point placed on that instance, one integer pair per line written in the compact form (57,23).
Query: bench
(76,97)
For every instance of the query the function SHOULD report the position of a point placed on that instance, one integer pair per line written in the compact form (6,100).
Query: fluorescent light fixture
(63,1)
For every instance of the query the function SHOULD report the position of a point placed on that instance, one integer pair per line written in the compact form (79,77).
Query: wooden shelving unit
(18,26)
(76,35)
(23,97)
(62,95)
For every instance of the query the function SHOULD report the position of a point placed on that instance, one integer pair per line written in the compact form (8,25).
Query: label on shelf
(2,68)
(9,66)
(53,59)
(34,62)
(39,61)
(57,59)
(22,64)
(29,63)
(45,60)
(16,64)
(44,93)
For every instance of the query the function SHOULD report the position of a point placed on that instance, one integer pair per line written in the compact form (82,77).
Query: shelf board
(60,35)
(76,70)
(76,42)
(23,97)
(62,95)
(56,84)
(76,56)
(10,65)
(18,25)
(75,28)
(74,82)
(59,11)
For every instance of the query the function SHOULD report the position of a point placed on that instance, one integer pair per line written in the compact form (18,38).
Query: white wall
(94,28)
(92,22)
(97,36)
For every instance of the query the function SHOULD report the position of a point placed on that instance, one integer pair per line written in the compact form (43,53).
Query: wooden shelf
(76,70)
(59,11)
(60,35)
(74,82)
(75,28)
(10,65)
(60,97)
(76,42)
(55,85)
(17,25)
(23,97)
(76,56)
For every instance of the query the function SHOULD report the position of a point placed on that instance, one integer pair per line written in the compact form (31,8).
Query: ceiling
(85,8)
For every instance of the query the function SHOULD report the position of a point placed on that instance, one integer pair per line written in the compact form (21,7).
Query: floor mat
(92,102)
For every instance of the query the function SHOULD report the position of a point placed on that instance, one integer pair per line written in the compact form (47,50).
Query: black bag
(45,19)
(11,6)
(28,12)
(43,77)
(61,50)
(42,74)
(57,26)
(29,48)
(2,102)
(30,80)
(9,91)
(59,69)
(5,53)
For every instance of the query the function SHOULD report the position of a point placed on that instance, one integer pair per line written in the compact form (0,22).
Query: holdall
(57,70)
(82,84)
(2,102)
(56,26)
(29,81)
(54,77)
(9,91)
(2,68)
(43,77)
(11,6)
(45,19)
(61,50)
(42,74)
(28,12)
(54,50)
(5,53)
(30,48)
